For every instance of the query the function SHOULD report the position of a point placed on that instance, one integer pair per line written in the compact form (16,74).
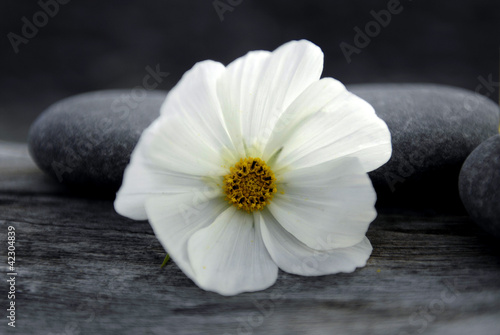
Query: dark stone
(85,141)
(479,185)
(434,128)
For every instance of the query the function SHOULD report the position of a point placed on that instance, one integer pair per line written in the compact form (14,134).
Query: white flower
(257,166)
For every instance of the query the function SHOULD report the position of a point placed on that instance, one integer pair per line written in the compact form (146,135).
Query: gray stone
(479,185)
(434,128)
(85,141)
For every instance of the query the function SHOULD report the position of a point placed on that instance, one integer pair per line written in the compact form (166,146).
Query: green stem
(165,261)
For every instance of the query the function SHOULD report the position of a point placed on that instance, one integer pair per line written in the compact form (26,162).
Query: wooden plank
(83,269)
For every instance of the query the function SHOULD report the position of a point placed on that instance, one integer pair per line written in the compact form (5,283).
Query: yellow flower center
(250,184)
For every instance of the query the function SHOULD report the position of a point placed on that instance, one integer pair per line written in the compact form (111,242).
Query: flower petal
(174,144)
(326,206)
(258,87)
(310,101)
(141,180)
(167,159)
(293,256)
(229,256)
(345,127)
(194,99)
(175,218)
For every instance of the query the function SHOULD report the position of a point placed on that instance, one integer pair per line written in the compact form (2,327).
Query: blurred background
(52,49)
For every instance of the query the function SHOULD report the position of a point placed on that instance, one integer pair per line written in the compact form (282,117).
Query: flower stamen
(250,184)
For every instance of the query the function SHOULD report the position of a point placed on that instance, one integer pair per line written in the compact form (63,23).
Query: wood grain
(83,269)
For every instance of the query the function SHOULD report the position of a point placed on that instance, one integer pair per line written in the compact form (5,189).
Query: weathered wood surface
(83,269)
